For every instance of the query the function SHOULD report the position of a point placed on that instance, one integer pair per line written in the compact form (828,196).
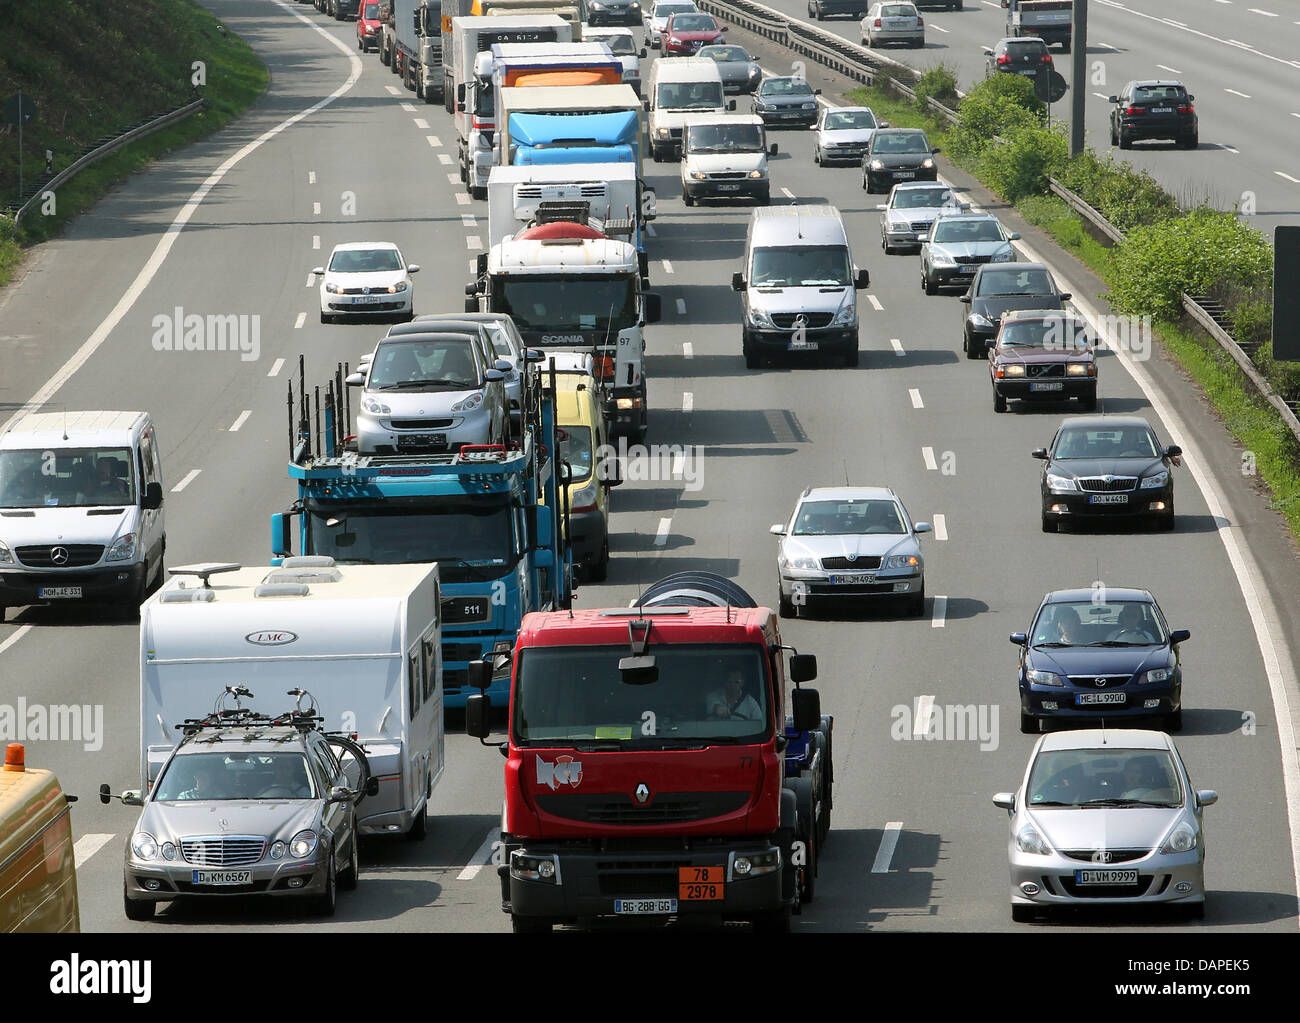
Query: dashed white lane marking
(786,192)
(668,266)
(1101,95)
(311,177)
(445,160)
(453,178)
(468,220)
(650,230)
(87,846)
(315,209)
(472,241)
(240,420)
(393,90)
(688,401)
(940,610)
(939,28)
(661,537)
(940,526)
(421,123)
(188,479)
(1236,93)
(681,307)
(297,324)
(462,198)
(434,141)
(1233,150)
(897,345)
(889,837)
(688,350)
(1107,46)
(409,107)
(915,395)
(311,280)
(1256,10)
(875,303)
(1294,181)
(275,368)
(19,634)
(679,465)
(923,710)
(315,241)
(928,455)
(1293,113)
(1171,70)
(481,858)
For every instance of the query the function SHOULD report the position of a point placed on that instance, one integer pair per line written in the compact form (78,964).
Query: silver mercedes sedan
(850,543)
(1106,817)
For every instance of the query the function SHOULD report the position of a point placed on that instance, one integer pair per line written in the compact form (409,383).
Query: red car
(686,33)
(369,27)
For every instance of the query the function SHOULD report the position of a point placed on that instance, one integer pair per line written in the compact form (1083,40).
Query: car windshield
(1014,282)
(620,45)
(784,87)
(694,23)
(723,54)
(575,448)
(1105,442)
(1114,777)
(816,265)
(1105,623)
(66,477)
(576,697)
(906,142)
(724,138)
(845,120)
(556,303)
(417,365)
(471,540)
(371,11)
(362,261)
(965,232)
(690,95)
(837,518)
(1052,333)
(236,775)
(920,198)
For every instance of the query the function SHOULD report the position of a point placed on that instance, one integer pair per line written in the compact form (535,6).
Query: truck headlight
(1065,483)
(375,408)
(303,844)
(662,133)
(758,318)
(756,864)
(525,867)
(470,403)
(144,846)
(757,175)
(6,555)
(584,499)
(123,548)
(699,176)
(846,315)
(1157,480)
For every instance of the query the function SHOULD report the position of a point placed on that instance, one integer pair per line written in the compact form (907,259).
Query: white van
(364,640)
(798,284)
(679,88)
(724,156)
(81,514)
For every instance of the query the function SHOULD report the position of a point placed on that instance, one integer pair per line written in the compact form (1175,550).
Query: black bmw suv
(1153,110)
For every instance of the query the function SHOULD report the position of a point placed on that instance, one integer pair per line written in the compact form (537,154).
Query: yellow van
(582,444)
(38,874)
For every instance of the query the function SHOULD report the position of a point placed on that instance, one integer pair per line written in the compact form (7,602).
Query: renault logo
(642,792)
(59,555)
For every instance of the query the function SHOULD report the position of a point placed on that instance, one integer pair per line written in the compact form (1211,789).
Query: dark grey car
(998,288)
(786,102)
(897,154)
(740,72)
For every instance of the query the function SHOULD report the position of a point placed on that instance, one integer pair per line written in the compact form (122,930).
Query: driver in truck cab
(731,701)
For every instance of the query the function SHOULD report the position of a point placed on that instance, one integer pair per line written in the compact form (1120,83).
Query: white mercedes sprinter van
(81,514)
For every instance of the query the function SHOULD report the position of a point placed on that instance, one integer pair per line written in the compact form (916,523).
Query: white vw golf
(366,279)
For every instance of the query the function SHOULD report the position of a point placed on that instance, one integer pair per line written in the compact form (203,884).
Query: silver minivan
(798,284)
(81,515)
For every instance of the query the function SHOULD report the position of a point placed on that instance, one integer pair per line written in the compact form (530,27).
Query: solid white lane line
(86,847)
(315,209)
(421,123)
(1236,93)
(1171,70)
(875,303)
(916,397)
(688,350)
(434,141)
(19,634)
(681,307)
(445,160)
(668,266)
(1294,181)
(940,612)
(1176,24)
(889,837)
(1293,113)
(462,198)
(481,858)
(186,481)
(661,537)
(472,241)
(240,420)
(922,708)
(688,401)
(897,345)
(315,241)
(928,455)
(275,368)
(940,526)
(311,177)
(165,243)
(409,107)
(297,324)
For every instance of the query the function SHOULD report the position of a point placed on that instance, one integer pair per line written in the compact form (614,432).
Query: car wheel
(1174,721)
(972,349)
(930,285)
(1050,525)
(361,45)
(137,910)
(785,606)
(350,876)
(1028,724)
(1022,914)
(817,156)
(1114,136)
(1192,141)
(1125,141)
(419,826)
(764,198)
(999,401)
(916,603)
(327,901)
(1089,402)
(686,198)
(1195,910)
(326,318)
(1167,521)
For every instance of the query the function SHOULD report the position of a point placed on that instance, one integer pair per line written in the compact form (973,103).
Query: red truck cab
(644,772)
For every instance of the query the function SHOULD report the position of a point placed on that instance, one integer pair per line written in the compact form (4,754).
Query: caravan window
(430,650)
(413,663)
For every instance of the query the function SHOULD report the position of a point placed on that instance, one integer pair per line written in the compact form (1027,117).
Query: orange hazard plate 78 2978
(699,883)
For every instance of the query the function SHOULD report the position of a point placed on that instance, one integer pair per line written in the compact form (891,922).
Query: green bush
(938,83)
(1252,322)
(1126,197)
(996,106)
(1020,165)
(1191,253)
(1283,377)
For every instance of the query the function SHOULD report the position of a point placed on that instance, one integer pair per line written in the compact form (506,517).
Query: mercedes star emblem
(642,792)
(59,555)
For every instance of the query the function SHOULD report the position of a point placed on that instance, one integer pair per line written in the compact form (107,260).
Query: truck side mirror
(773,149)
(460,93)
(863,280)
(471,305)
(471,288)
(731,104)
(644,52)
(653,309)
(281,544)
(479,674)
(737,281)
(807,706)
(152,496)
(645,102)
(476,715)
(803,668)
(481,263)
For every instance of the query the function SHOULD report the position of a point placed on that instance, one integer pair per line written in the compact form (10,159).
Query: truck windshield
(563,302)
(469,540)
(576,696)
(432,12)
(690,95)
(724,138)
(66,477)
(811,266)
(485,103)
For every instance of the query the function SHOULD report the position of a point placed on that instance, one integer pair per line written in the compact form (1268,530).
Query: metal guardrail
(1090,214)
(101,151)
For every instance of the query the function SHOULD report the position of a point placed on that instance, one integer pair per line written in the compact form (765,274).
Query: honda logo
(59,555)
(642,792)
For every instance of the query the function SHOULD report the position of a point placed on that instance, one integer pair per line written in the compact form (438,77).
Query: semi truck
(1052,21)
(492,517)
(470,37)
(646,762)
(570,286)
(412,46)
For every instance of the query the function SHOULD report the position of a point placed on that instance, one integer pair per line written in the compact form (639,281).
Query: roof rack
(223,716)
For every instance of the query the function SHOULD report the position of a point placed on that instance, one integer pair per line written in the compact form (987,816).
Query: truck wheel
(429,96)
(529,925)
(383,55)
(809,888)
(752,358)
(478,193)
(142,910)
(419,87)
